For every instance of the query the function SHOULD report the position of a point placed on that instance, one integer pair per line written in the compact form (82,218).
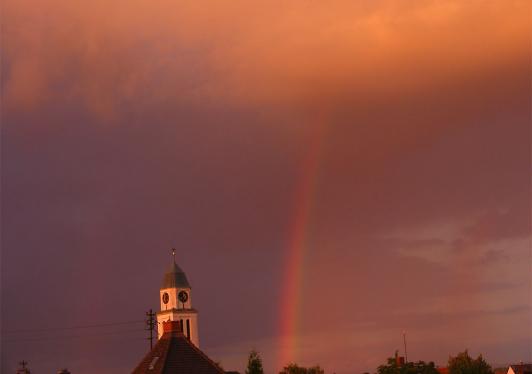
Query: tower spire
(176,303)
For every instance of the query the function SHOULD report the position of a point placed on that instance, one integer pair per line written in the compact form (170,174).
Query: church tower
(176,304)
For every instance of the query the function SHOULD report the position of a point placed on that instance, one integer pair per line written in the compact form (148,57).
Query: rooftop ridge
(204,355)
(174,353)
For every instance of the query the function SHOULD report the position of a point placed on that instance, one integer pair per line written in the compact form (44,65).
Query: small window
(188,329)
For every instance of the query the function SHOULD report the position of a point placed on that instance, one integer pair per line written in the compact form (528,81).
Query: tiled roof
(175,354)
(522,368)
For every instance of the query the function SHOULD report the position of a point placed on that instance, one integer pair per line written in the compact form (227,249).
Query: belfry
(176,350)
(176,304)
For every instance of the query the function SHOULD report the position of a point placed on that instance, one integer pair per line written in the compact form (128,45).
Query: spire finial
(173,253)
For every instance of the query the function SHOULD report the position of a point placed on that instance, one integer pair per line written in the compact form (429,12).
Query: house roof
(175,278)
(175,354)
(522,368)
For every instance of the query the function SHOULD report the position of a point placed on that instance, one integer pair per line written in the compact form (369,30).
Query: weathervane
(173,253)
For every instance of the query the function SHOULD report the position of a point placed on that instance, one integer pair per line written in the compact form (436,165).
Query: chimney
(399,361)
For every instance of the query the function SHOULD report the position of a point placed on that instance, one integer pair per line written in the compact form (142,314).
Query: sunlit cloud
(299,54)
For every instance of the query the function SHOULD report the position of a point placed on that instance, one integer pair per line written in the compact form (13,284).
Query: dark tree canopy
(462,363)
(295,369)
(254,363)
(394,367)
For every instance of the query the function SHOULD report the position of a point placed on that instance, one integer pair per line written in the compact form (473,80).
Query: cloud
(482,233)
(421,189)
(300,53)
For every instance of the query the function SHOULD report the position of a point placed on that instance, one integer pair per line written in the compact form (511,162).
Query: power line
(25,339)
(70,327)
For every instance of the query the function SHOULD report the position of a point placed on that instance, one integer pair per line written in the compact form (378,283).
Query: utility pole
(23,369)
(150,322)
(404,341)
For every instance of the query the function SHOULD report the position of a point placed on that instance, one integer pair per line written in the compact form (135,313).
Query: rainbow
(296,248)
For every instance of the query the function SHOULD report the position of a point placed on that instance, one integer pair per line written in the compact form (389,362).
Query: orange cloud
(120,53)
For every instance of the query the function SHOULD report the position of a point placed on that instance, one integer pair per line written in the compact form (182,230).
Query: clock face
(183,296)
(166,298)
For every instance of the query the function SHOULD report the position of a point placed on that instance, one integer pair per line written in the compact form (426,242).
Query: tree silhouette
(254,363)
(462,363)
(393,366)
(295,369)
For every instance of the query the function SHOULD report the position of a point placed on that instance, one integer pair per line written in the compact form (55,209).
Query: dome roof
(175,278)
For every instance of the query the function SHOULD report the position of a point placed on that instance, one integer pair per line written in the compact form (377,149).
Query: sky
(332,174)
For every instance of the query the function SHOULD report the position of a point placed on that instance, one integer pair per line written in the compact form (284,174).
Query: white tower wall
(173,309)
